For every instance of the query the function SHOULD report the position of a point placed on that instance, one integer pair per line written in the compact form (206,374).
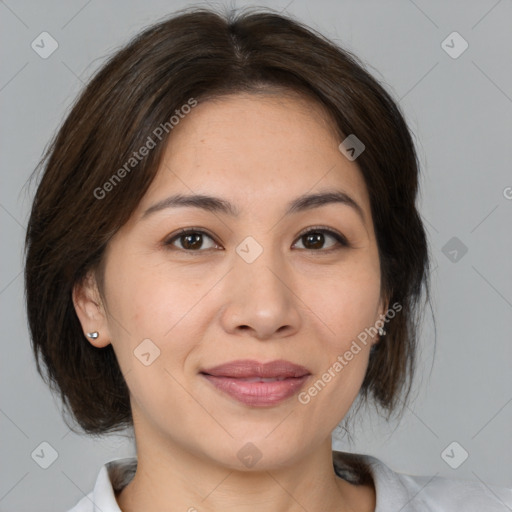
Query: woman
(224,253)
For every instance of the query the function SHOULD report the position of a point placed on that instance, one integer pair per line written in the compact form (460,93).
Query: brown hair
(199,54)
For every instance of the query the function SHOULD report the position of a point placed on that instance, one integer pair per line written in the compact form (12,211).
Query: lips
(258,384)
(247,369)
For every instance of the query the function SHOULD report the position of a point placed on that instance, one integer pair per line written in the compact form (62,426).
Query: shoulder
(112,477)
(86,504)
(413,493)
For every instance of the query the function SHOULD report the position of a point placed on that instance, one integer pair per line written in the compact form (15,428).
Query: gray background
(460,111)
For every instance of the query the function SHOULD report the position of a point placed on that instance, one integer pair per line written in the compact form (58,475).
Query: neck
(178,480)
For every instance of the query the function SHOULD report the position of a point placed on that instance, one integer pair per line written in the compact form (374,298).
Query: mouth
(258,384)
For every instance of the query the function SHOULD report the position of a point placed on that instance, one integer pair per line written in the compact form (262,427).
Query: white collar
(394,491)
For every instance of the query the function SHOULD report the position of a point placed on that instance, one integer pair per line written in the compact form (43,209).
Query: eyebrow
(218,205)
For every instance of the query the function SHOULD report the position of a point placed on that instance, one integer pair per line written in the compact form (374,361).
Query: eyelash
(340,239)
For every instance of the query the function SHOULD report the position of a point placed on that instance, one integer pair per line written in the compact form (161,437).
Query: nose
(260,301)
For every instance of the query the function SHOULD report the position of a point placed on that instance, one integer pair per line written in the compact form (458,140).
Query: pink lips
(258,384)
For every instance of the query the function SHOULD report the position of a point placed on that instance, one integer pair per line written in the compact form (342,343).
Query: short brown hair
(203,54)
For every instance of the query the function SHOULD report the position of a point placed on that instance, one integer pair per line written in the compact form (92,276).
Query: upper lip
(246,368)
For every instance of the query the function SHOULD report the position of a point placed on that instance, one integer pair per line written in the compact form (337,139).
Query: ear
(383,309)
(90,310)
(384,306)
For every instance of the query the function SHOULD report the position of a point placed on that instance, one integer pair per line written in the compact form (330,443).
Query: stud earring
(93,335)
(381,331)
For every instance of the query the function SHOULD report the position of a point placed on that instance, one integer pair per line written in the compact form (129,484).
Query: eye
(315,239)
(190,239)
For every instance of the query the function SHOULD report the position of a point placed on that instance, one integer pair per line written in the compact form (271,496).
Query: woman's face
(248,286)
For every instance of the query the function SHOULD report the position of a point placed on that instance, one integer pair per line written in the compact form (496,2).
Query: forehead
(255,149)
(255,125)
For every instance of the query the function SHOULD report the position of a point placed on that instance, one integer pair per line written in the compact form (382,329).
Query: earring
(381,331)
(93,335)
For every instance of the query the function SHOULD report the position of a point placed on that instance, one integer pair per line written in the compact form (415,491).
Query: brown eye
(314,239)
(191,240)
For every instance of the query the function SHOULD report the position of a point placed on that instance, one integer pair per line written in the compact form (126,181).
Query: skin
(209,306)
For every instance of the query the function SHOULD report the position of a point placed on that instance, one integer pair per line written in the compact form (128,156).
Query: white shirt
(394,491)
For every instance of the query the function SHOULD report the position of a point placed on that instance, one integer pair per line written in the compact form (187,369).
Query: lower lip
(258,394)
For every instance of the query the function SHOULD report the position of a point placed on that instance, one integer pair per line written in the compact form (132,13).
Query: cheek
(348,302)
(149,302)
(142,297)
(349,309)
(147,321)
